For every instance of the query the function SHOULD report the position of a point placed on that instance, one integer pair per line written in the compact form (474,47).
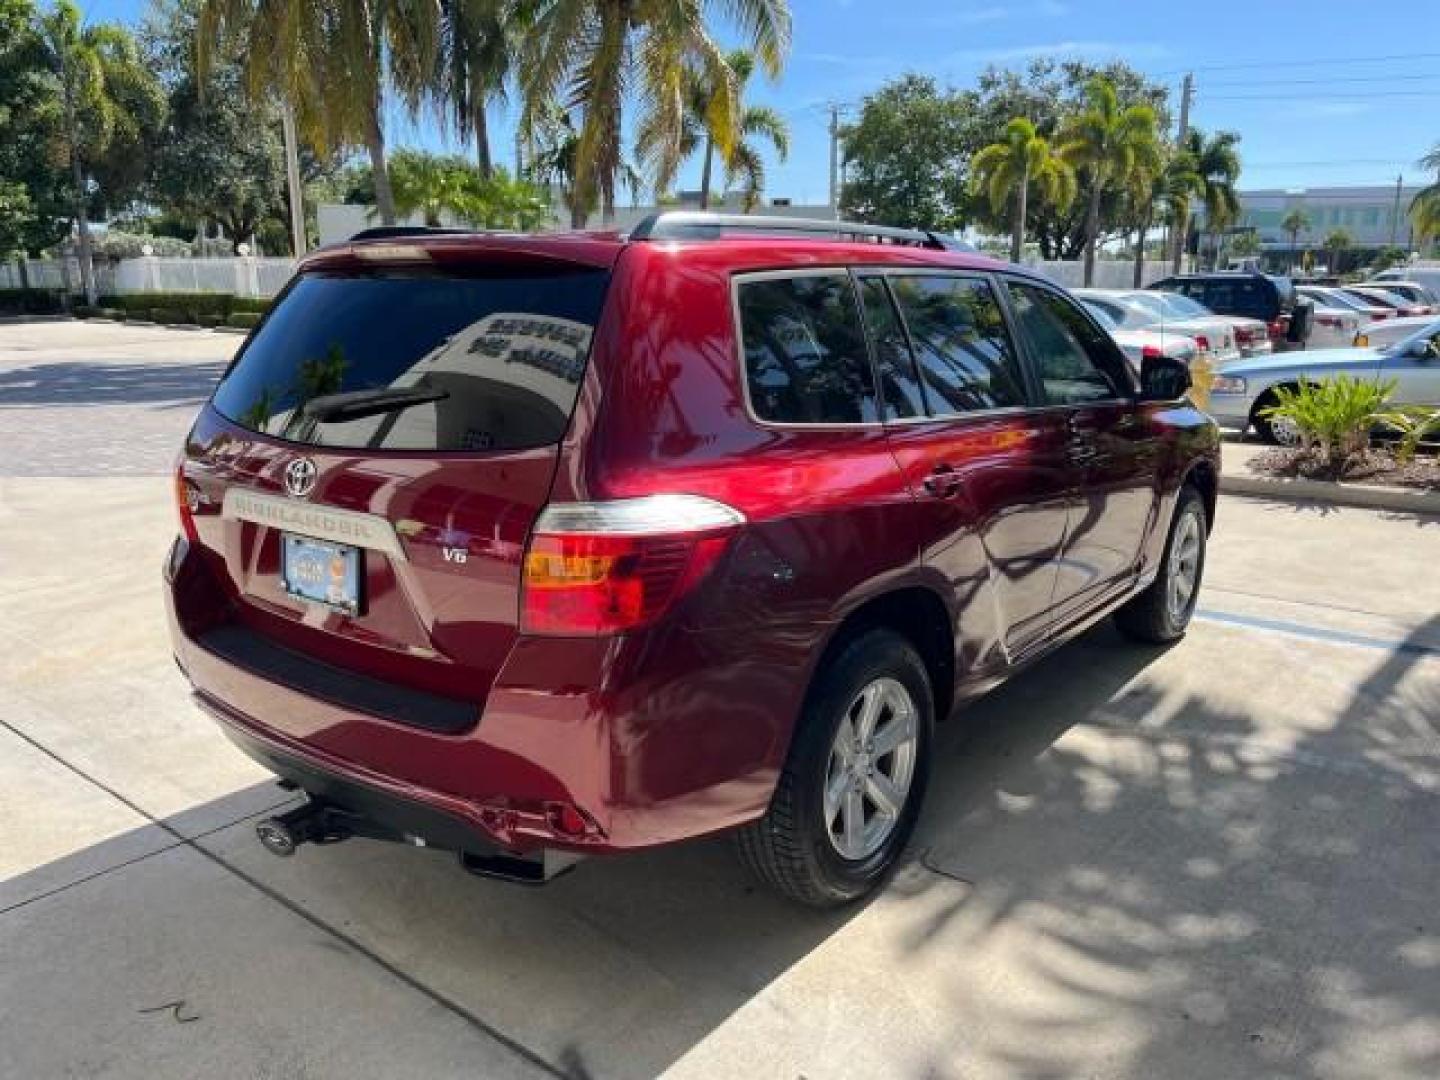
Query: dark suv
(1250,295)
(533,547)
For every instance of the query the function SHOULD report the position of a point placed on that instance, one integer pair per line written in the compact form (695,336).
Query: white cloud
(1127,50)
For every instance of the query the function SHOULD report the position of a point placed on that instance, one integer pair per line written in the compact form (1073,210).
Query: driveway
(1218,860)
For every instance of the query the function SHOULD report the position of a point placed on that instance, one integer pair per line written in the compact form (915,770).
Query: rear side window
(806,361)
(419,361)
(899,384)
(964,355)
(1076,361)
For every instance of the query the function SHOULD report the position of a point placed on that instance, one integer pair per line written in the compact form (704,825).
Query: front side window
(964,355)
(1075,361)
(806,361)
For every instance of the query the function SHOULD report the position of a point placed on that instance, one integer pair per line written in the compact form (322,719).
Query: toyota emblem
(300,477)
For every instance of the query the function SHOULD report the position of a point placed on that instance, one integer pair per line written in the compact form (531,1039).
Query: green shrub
(248,303)
(112,313)
(209,321)
(244,320)
(1412,423)
(31,302)
(1333,416)
(84,311)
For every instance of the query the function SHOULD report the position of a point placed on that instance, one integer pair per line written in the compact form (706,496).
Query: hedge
(243,319)
(31,302)
(186,307)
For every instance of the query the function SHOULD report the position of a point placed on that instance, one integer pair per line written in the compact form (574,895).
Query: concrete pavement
(1216,860)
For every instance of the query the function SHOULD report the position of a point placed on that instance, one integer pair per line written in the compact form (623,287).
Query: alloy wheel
(1183,573)
(871,766)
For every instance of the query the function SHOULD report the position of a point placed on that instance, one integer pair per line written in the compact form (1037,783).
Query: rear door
(989,472)
(377,454)
(1113,454)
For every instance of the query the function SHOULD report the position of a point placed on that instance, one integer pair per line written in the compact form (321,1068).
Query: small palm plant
(1333,417)
(1412,423)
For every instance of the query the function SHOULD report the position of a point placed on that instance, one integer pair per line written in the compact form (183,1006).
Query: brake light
(1151,352)
(1327,320)
(1202,342)
(606,567)
(1244,335)
(187,498)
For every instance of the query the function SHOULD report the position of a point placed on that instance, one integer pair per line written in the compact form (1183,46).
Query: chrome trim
(312,519)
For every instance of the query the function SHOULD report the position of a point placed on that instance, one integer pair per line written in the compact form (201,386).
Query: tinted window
(962,350)
(488,363)
(805,356)
(899,385)
(1074,359)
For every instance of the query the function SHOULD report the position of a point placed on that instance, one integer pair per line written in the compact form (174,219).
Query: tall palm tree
(1005,170)
(477,40)
(1425,207)
(698,131)
(332,61)
(1109,143)
(1337,242)
(1216,164)
(91,65)
(429,184)
(553,161)
(1160,192)
(1294,223)
(594,53)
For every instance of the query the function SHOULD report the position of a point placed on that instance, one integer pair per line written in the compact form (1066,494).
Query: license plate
(321,572)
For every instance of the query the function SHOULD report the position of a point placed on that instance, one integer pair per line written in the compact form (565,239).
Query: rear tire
(1271,432)
(809,846)
(1162,612)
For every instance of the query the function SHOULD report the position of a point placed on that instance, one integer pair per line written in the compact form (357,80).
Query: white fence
(249,276)
(1109,273)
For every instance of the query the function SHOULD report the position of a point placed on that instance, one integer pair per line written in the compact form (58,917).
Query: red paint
(678,725)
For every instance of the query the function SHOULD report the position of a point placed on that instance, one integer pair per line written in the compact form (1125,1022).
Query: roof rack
(703,225)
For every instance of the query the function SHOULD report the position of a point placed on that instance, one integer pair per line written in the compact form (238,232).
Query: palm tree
(1425,207)
(1216,168)
(91,64)
(1337,242)
(429,184)
(592,53)
(331,61)
(1109,143)
(1165,191)
(1005,170)
(477,39)
(1294,223)
(700,131)
(554,159)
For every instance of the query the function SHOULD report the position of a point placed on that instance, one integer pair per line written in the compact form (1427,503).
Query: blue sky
(1322,92)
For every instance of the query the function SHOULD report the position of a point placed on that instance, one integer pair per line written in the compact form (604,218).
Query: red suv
(534,547)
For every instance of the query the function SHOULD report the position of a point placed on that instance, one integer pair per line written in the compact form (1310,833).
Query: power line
(1251,65)
(1327,80)
(1367,95)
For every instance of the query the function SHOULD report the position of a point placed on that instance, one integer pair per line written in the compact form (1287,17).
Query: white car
(1252,336)
(1213,335)
(1240,394)
(1141,345)
(1390,331)
(1413,291)
(1328,296)
(1333,327)
(1429,276)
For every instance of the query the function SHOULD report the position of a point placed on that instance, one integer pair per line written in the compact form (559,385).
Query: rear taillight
(1332,321)
(187,497)
(1202,342)
(1244,335)
(606,567)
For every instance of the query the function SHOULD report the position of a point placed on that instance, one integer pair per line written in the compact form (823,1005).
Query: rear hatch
(367,473)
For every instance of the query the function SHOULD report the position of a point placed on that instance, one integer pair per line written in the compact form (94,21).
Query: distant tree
(1159,188)
(907,157)
(1111,143)
(1006,170)
(478,39)
(1217,164)
(1294,223)
(1246,243)
(1425,207)
(1337,242)
(428,184)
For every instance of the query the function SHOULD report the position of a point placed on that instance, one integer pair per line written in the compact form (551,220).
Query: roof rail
(389,232)
(703,225)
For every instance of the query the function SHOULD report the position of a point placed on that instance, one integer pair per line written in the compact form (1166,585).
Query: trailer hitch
(320,822)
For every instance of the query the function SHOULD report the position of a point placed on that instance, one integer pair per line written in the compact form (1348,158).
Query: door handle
(943,482)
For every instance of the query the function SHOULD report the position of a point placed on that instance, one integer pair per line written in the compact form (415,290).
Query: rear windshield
(482,362)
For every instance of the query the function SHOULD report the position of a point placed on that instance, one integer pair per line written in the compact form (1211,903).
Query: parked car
(1402,307)
(1427,275)
(1267,297)
(1240,394)
(533,547)
(1335,297)
(1393,330)
(1252,336)
(1142,345)
(1214,338)
(1409,290)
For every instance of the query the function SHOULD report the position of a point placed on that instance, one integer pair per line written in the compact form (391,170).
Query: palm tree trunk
(481,123)
(375,144)
(1177,241)
(1017,233)
(77,177)
(1092,230)
(705,173)
(1140,254)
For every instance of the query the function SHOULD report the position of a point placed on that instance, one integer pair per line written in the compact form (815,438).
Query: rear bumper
(651,740)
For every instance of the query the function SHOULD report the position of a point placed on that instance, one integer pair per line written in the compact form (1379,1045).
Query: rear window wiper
(358,404)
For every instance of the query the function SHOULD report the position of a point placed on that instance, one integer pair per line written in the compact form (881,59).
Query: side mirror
(1163,378)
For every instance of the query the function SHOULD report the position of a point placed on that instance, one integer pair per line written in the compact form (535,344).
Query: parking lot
(1214,860)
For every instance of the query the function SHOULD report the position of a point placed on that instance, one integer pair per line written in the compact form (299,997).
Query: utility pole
(835,161)
(1177,251)
(292,179)
(1395,210)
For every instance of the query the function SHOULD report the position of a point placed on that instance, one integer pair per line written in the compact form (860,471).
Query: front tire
(849,795)
(1163,611)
